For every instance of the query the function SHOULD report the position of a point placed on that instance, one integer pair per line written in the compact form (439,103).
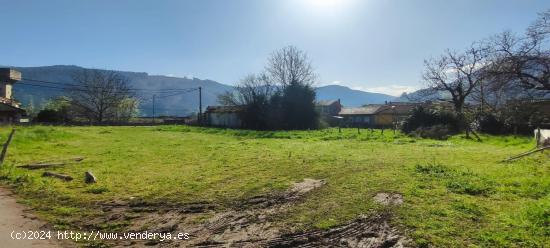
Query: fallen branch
(5,147)
(60,176)
(526,154)
(41,166)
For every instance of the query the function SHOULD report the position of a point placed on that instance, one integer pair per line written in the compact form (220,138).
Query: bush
(489,123)
(49,116)
(431,124)
(57,110)
(440,132)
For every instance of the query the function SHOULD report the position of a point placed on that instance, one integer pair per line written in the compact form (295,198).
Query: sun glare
(326,7)
(324,3)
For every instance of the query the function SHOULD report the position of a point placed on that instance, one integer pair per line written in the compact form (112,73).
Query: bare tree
(252,94)
(290,65)
(99,94)
(250,90)
(456,74)
(541,27)
(280,98)
(523,60)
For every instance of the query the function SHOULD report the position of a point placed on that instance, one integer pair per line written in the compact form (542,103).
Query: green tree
(56,110)
(294,105)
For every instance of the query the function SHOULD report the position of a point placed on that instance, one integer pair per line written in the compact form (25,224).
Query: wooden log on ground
(41,166)
(60,176)
(526,154)
(5,147)
(89,177)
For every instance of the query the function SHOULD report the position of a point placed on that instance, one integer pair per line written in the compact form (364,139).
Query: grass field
(456,192)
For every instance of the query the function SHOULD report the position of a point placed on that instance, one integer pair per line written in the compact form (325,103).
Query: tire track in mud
(250,223)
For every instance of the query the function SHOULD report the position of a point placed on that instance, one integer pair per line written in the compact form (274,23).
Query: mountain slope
(350,97)
(180,105)
(183,104)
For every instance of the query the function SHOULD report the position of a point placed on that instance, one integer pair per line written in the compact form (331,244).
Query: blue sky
(375,45)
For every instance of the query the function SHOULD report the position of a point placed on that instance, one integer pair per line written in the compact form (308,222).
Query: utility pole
(200,106)
(154,96)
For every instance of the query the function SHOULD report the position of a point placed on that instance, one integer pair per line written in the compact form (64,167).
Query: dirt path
(16,217)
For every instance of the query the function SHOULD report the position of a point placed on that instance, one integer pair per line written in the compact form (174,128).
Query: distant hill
(350,97)
(179,105)
(508,93)
(174,105)
(422,95)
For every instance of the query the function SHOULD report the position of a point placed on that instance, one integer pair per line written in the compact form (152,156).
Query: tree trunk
(463,124)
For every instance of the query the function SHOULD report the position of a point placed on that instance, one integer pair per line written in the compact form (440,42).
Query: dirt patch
(252,223)
(301,188)
(389,199)
(362,232)
(18,218)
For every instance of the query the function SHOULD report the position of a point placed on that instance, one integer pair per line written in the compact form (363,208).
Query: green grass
(456,192)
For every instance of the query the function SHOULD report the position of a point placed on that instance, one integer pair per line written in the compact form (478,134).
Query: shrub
(431,123)
(57,110)
(49,116)
(488,123)
(440,132)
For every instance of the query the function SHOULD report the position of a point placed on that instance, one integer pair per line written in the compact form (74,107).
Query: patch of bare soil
(15,217)
(251,223)
(389,198)
(362,232)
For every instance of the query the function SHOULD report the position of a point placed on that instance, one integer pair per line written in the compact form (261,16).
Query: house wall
(8,91)
(226,119)
(384,119)
(9,117)
(359,120)
(388,119)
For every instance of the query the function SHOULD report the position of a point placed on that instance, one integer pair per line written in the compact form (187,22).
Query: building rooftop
(326,102)
(372,109)
(223,109)
(400,109)
(366,110)
(6,106)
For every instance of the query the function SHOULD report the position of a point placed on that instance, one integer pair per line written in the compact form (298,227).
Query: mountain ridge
(355,98)
(180,105)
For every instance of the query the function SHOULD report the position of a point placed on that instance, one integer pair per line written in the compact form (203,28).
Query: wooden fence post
(5,147)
